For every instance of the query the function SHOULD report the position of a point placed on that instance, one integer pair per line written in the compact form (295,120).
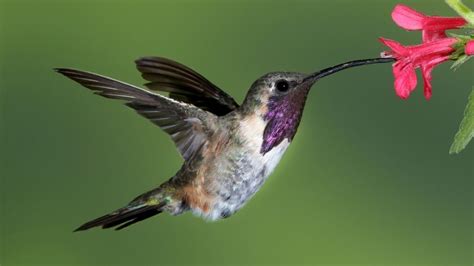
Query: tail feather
(138,218)
(124,217)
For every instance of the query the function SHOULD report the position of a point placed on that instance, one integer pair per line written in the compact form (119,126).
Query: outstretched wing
(187,125)
(184,84)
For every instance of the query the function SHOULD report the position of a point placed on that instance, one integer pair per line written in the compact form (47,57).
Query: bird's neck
(282,121)
(273,121)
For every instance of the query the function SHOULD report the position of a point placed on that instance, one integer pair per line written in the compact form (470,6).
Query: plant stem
(463,10)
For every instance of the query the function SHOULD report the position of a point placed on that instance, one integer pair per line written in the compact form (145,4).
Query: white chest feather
(251,131)
(244,169)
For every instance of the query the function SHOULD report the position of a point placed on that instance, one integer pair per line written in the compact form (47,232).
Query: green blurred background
(367,180)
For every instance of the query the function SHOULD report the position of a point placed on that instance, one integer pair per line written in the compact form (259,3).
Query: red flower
(425,56)
(469,49)
(433,27)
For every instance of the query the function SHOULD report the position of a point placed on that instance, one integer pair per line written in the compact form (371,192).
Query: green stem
(463,10)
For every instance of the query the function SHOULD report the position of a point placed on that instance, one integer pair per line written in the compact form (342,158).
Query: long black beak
(331,70)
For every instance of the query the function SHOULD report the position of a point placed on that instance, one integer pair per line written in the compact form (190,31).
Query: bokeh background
(367,181)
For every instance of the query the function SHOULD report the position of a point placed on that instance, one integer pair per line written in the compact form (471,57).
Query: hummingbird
(229,150)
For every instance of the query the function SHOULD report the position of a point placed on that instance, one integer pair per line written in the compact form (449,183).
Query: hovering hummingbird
(229,150)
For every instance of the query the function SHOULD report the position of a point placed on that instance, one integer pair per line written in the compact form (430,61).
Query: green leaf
(461,37)
(461,60)
(466,128)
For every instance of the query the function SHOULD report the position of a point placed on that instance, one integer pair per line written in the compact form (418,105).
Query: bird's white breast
(251,132)
(244,169)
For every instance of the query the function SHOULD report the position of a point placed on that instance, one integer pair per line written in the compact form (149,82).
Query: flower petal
(427,89)
(405,79)
(407,18)
(426,51)
(426,70)
(434,23)
(433,35)
(469,49)
(398,49)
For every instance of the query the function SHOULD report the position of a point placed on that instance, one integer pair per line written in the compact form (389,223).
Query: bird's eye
(282,85)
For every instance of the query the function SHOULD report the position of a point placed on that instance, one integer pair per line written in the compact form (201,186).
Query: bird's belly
(238,177)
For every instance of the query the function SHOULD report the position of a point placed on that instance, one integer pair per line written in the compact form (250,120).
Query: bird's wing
(188,126)
(184,84)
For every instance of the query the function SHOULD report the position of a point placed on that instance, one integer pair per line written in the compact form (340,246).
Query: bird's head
(279,99)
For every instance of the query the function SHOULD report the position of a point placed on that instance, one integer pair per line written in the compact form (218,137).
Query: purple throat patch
(283,117)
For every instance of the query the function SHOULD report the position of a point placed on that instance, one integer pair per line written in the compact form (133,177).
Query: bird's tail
(136,211)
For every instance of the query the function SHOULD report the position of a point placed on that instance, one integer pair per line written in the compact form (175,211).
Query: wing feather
(188,126)
(184,84)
